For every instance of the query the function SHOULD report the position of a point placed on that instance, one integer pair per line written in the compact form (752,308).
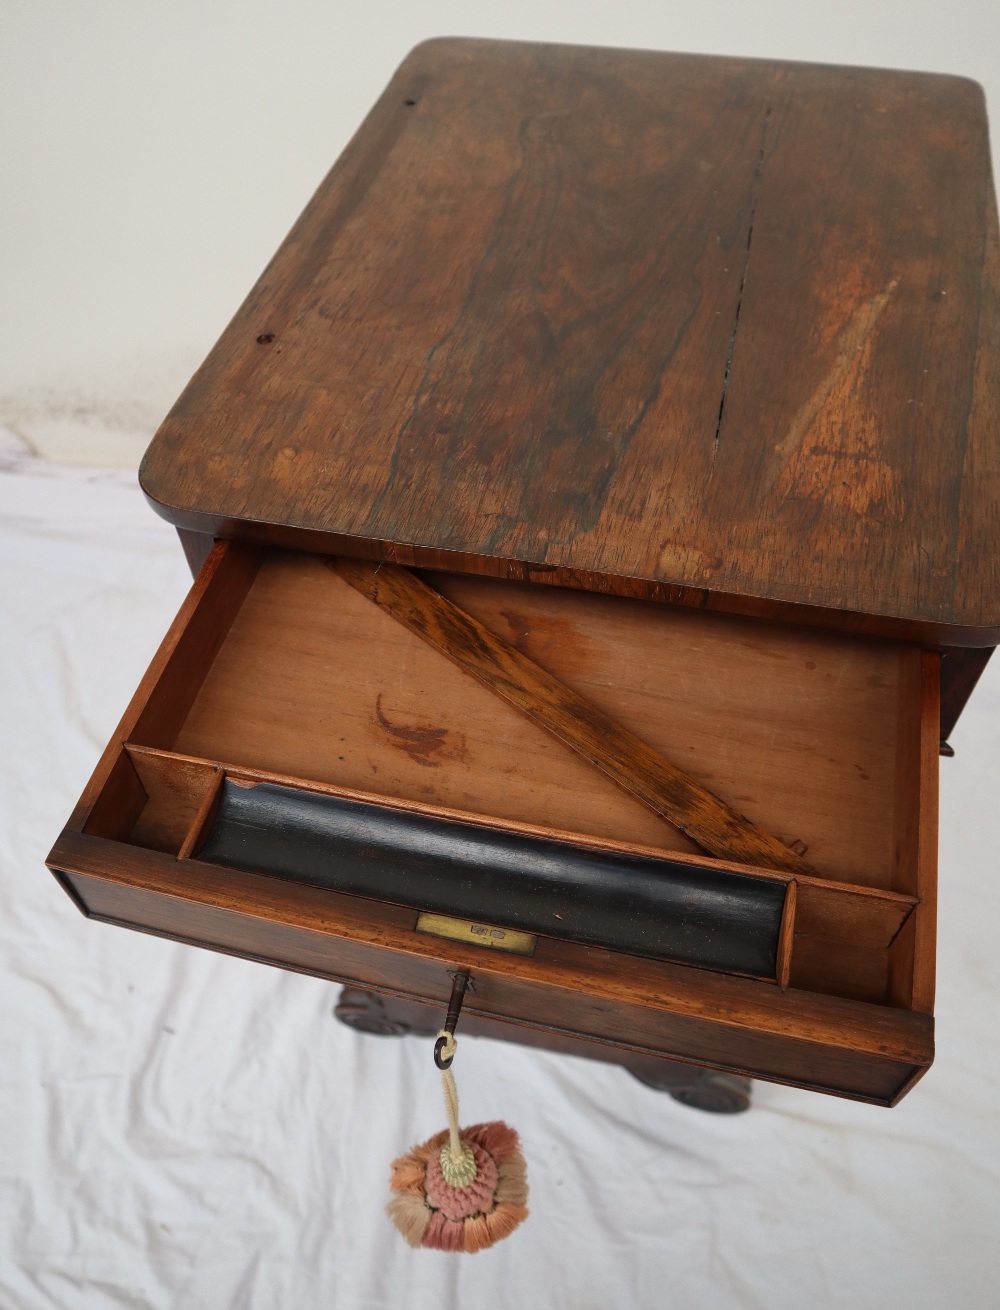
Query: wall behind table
(154,156)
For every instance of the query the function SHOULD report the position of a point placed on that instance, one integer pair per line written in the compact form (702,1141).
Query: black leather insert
(644,906)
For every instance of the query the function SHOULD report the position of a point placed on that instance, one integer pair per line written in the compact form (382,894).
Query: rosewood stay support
(624,757)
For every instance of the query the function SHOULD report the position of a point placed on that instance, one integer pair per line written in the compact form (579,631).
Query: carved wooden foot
(367,1012)
(703,1089)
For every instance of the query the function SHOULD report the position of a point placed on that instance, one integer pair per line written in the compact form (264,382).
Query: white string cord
(451,1094)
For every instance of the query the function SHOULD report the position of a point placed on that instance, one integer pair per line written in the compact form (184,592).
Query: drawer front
(823,1044)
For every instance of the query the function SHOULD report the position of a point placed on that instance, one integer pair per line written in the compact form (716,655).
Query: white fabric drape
(180,1129)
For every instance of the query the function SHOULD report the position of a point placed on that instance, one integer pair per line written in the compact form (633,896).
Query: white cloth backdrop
(180,1129)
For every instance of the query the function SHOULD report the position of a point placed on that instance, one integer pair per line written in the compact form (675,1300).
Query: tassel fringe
(430,1213)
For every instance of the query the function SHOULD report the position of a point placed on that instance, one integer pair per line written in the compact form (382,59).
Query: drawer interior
(280,672)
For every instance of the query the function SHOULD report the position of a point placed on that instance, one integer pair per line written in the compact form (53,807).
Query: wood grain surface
(643,772)
(719,331)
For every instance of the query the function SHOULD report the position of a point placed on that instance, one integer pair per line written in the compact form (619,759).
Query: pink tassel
(468,1218)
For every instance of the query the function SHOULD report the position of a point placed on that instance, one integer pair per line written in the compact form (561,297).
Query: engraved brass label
(478,934)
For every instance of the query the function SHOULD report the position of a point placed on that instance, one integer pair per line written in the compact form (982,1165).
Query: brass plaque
(477,934)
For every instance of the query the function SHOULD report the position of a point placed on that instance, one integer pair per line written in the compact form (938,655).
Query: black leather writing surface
(645,906)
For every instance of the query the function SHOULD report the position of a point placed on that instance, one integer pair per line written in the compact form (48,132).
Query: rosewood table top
(718,331)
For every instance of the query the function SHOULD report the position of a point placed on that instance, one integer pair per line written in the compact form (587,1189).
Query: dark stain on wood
(423,743)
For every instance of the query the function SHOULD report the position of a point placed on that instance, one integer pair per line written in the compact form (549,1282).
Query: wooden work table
(694,333)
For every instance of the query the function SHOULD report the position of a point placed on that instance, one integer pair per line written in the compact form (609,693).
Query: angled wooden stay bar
(623,756)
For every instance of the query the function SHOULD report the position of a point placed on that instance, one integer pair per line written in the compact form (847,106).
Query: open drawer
(280,685)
